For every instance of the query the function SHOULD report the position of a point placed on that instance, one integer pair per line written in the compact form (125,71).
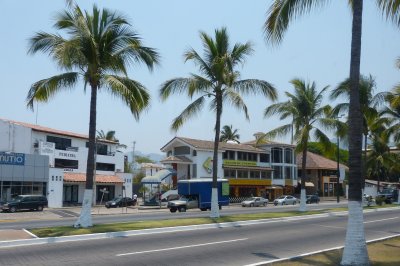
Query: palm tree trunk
(214,193)
(85,218)
(303,206)
(355,249)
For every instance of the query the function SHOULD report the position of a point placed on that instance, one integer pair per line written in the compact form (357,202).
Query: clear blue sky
(316,48)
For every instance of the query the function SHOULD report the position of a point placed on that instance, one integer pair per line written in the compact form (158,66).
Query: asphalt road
(156,214)
(240,245)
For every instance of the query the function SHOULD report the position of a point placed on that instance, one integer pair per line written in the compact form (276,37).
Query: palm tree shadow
(328,259)
(265,255)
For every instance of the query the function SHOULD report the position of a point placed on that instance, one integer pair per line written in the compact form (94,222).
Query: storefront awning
(81,177)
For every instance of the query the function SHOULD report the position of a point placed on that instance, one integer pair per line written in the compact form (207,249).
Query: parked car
(312,199)
(285,200)
(388,195)
(183,203)
(254,202)
(120,202)
(25,202)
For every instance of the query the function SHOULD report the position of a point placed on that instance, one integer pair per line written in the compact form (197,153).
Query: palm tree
(97,47)
(304,107)
(228,133)
(109,135)
(369,102)
(219,81)
(280,14)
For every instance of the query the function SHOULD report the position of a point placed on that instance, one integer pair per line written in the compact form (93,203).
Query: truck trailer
(196,193)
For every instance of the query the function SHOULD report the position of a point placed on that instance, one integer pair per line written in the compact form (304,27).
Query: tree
(280,14)
(98,47)
(110,135)
(228,133)
(219,81)
(369,102)
(304,107)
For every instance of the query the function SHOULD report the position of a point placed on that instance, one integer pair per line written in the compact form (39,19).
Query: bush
(379,200)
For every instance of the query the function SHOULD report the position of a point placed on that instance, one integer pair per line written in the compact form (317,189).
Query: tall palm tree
(219,81)
(228,133)
(98,47)
(304,107)
(280,14)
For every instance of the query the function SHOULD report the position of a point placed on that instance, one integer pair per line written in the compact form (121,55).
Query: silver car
(285,200)
(255,202)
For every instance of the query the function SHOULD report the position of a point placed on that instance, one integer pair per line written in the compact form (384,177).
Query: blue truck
(196,193)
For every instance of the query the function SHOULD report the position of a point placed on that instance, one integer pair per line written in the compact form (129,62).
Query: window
(194,170)
(254,174)
(242,174)
(105,167)
(60,143)
(182,150)
(63,163)
(194,153)
(277,172)
(288,155)
(229,155)
(229,173)
(252,157)
(265,175)
(276,155)
(264,158)
(101,149)
(241,156)
(288,172)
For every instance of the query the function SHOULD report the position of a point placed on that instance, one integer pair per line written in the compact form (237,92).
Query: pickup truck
(183,203)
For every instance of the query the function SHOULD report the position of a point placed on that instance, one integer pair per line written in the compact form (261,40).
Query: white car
(285,200)
(255,202)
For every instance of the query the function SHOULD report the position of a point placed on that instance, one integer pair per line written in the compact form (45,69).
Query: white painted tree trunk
(398,196)
(355,248)
(303,205)
(85,218)
(214,203)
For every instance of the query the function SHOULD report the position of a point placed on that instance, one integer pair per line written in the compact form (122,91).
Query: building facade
(260,170)
(58,160)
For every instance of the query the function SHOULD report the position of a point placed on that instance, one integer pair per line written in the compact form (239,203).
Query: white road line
(381,220)
(181,247)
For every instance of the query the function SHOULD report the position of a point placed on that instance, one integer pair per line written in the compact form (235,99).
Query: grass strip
(381,253)
(138,225)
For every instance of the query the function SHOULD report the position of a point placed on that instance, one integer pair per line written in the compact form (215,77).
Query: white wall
(55,188)
(201,157)
(127,177)
(14,138)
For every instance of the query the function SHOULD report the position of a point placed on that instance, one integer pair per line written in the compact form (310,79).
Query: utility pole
(133,156)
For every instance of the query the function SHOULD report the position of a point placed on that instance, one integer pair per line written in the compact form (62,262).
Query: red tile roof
(81,177)
(315,161)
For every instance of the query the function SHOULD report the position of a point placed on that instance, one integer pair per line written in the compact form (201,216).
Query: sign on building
(12,158)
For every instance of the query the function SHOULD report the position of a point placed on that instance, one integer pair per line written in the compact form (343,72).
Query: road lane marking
(181,247)
(381,220)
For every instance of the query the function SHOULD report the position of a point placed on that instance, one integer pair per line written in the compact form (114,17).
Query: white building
(57,159)
(268,169)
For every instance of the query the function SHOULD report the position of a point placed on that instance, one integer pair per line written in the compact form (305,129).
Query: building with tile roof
(61,175)
(321,174)
(267,170)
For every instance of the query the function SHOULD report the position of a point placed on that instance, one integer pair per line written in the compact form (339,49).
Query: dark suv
(25,202)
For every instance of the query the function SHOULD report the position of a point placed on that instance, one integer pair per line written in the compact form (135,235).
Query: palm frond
(256,87)
(237,101)
(43,90)
(131,92)
(191,110)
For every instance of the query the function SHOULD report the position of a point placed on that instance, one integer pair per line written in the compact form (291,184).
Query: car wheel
(203,209)
(182,209)
(40,208)
(172,210)
(264,204)
(283,203)
(13,209)
(251,205)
